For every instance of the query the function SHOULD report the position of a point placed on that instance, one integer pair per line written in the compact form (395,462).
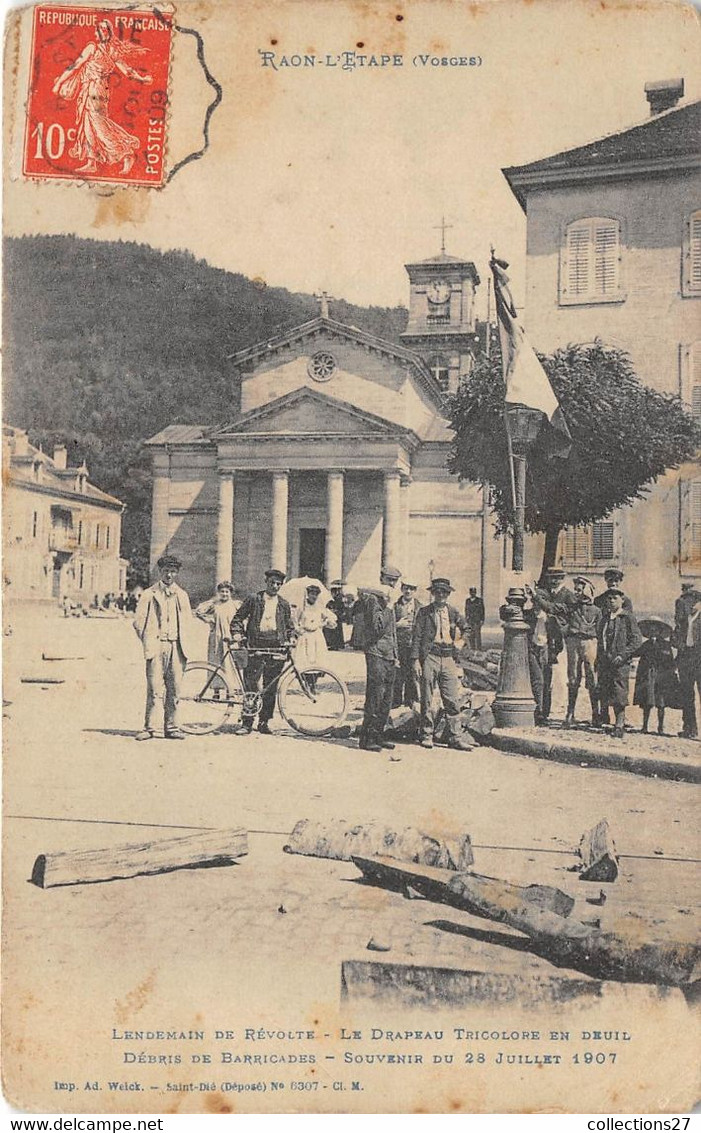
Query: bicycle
(313,701)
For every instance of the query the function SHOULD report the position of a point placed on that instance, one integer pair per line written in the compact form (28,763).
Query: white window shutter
(695,526)
(695,378)
(579,259)
(606,256)
(695,251)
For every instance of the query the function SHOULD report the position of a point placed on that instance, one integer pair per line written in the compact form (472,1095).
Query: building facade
(614,252)
(61,533)
(335,460)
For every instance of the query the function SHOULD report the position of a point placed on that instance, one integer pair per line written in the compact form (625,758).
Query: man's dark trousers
(689,662)
(379,691)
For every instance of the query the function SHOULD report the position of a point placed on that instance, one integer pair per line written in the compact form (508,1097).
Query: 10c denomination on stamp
(98,95)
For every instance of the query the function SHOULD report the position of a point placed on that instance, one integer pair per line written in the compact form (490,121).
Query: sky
(318,178)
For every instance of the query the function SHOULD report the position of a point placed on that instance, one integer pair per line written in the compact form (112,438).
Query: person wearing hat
(474,616)
(333,631)
(556,600)
(687,639)
(264,621)
(613,577)
(581,644)
(378,632)
(406,690)
(619,639)
(433,651)
(164,625)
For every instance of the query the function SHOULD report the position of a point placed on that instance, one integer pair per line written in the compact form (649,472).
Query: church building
(335,459)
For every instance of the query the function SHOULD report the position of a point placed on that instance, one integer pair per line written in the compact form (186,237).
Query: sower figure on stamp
(619,640)
(264,620)
(163,623)
(474,616)
(406,689)
(433,652)
(379,636)
(555,599)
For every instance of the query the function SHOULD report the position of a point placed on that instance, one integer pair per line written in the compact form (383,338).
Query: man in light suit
(164,625)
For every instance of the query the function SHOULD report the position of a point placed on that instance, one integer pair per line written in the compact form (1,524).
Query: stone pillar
(334,526)
(391,527)
(160,527)
(225,528)
(404,549)
(281,487)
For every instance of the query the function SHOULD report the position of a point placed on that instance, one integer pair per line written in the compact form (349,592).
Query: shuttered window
(588,546)
(695,509)
(690,377)
(690,527)
(691,273)
(590,268)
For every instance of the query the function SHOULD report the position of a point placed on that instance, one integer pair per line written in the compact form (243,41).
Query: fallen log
(342,841)
(483,896)
(629,948)
(80,867)
(598,854)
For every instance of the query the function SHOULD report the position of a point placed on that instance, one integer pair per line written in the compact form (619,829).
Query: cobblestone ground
(123,953)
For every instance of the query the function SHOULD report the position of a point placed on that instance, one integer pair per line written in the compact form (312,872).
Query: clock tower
(441,325)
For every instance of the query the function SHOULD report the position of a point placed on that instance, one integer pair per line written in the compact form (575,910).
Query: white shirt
(443,628)
(268,623)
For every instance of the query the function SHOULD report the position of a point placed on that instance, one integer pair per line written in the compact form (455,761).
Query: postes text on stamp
(98,95)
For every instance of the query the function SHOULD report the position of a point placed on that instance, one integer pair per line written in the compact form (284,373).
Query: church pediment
(306,412)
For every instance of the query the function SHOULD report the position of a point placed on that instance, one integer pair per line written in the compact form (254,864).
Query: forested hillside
(106,343)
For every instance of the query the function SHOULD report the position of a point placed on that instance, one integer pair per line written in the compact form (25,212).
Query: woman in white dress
(310,620)
(217,612)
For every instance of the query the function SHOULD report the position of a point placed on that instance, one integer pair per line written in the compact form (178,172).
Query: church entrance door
(312,552)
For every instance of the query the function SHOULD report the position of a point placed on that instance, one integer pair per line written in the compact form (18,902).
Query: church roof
(313,327)
(179,434)
(667,140)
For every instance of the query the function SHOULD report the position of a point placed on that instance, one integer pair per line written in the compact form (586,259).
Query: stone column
(281,487)
(404,550)
(225,527)
(334,526)
(391,526)
(159,507)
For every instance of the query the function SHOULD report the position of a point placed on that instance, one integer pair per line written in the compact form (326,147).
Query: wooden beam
(342,841)
(482,896)
(630,947)
(598,854)
(80,867)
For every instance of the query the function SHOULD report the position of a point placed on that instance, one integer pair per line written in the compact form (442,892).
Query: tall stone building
(61,533)
(614,252)
(334,459)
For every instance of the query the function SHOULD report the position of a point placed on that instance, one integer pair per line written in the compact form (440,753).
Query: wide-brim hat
(648,626)
(440,583)
(169,562)
(273,572)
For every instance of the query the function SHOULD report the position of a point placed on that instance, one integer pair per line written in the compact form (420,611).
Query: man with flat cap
(264,621)
(433,652)
(687,639)
(619,640)
(556,600)
(474,616)
(164,625)
(379,637)
(613,577)
(406,690)
(581,643)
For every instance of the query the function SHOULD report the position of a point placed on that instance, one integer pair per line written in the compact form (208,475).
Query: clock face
(438,291)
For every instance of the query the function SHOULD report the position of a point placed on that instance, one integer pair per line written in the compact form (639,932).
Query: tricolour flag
(526,381)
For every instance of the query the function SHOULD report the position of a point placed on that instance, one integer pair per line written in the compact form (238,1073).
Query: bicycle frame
(288,666)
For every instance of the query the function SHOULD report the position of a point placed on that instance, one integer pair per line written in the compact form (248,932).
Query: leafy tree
(624,435)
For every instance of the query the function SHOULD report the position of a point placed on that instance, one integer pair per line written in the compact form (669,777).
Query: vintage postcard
(351,557)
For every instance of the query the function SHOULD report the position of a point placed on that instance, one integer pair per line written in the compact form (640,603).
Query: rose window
(322,366)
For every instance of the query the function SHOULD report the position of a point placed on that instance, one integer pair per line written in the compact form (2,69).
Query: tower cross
(443,226)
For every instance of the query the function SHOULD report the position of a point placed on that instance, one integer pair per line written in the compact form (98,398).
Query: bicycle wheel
(313,704)
(203,704)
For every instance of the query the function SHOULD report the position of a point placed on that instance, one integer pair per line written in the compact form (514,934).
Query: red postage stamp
(98,95)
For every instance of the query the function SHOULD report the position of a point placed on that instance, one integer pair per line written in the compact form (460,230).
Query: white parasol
(294,591)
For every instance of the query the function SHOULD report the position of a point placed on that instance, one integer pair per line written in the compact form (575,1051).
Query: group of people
(600,637)
(410,649)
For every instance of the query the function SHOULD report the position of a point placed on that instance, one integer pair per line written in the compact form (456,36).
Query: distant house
(61,533)
(614,252)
